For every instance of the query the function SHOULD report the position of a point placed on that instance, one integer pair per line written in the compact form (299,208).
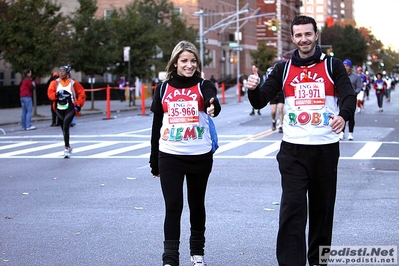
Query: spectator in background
(388,81)
(362,94)
(241,83)
(54,119)
(253,109)
(73,122)
(276,104)
(122,88)
(380,86)
(214,81)
(132,93)
(357,87)
(25,94)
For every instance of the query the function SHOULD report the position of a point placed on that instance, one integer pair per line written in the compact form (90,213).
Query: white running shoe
(67,153)
(350,136)
(341,135)
(30,128)
(198,260)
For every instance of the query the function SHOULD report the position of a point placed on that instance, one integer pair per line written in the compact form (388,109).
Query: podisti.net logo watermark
(374,255)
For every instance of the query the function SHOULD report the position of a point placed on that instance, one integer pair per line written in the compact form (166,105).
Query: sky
(381,17)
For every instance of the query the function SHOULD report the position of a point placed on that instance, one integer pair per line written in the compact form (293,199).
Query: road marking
(260,148)
(368,150)
(111,153)
(81,149)
(264,151)
(18,144)
(243,141)
(34,149)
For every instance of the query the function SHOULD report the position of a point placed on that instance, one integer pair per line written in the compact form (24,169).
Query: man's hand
(337,123)
(253,79)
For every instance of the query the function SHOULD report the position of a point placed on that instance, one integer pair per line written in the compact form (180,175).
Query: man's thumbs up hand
(253,79)
(255,70)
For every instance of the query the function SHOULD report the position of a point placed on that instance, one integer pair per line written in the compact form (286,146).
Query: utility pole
(232,17)
(238,48)
(279,38)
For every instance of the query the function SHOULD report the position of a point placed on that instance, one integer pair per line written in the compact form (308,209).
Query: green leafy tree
(135,26)
(171,33)
(347,42)
(28,31)
(90,46)
(150,28)
(263,57)
(390,59)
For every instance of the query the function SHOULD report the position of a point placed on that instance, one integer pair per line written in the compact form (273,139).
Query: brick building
(220,43)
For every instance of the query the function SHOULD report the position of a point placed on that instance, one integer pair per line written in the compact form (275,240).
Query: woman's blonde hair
(179,48)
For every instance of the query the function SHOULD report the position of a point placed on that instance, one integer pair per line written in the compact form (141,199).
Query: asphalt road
(102,207)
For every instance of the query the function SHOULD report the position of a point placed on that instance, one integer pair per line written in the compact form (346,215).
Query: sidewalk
(13,115)
(10,116)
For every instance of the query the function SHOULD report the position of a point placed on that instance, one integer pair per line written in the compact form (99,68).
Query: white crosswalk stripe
(275,146)
(136,145)
(368,150)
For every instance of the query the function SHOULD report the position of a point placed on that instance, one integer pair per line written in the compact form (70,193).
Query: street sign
(237,48)
(126,53)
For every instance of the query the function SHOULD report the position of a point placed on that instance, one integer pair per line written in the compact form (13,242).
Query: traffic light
(330,52)
(273,24)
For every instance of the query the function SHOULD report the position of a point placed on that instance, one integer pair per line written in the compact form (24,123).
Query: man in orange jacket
(68,97)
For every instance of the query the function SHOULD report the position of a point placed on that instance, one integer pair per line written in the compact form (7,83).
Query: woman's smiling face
(186,64)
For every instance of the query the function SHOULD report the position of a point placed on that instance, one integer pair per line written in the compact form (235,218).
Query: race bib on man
(310,95)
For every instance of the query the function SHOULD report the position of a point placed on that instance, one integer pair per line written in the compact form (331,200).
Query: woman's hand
(211,109)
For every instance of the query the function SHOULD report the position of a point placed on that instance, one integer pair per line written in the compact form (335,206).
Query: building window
(108,13)
(320,9)
(12,78)
(177,11)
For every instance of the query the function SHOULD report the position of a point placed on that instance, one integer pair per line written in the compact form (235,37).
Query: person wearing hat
(357,87)
(68,98)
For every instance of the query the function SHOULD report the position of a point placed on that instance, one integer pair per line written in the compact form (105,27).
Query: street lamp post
(222,23)
(233,17)
(238,50)
(201,36)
